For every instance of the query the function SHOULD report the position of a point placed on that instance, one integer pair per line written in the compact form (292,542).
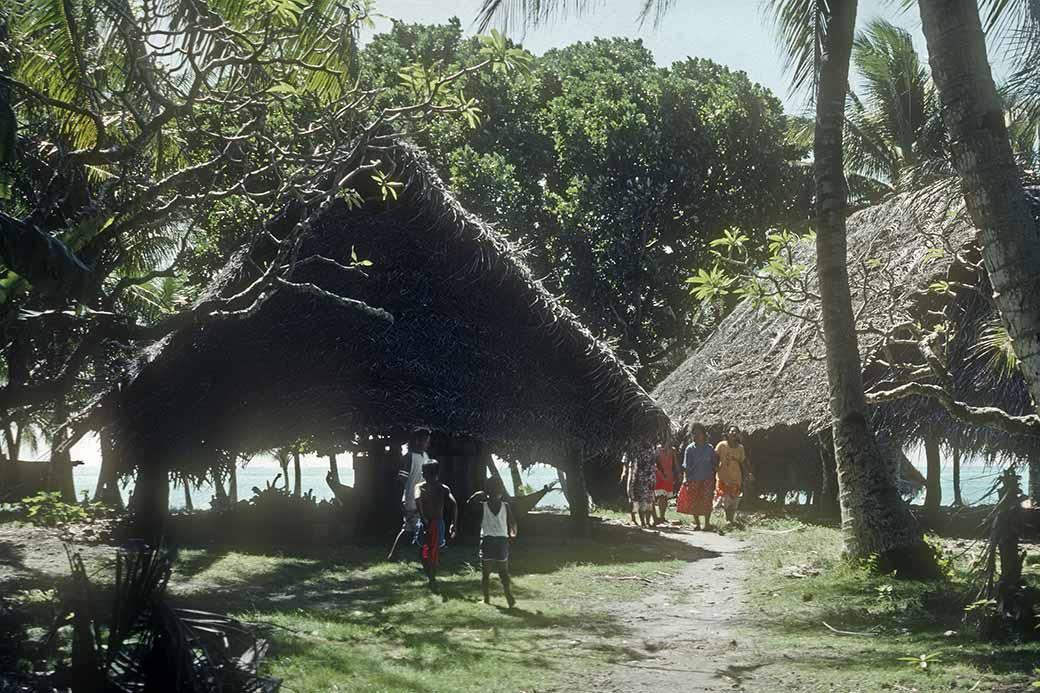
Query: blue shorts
(494,549)
(419,538)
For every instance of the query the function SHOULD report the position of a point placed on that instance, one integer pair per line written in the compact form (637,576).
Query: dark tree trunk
(150,503)
(283,462)
(334,467)
(827,497)
(60,471)
(218,486)
(875,520)
(933,475)
(518,482)
(973,113)
(957,499)
(188,505)
(577,493)
(107,489)
(297,480)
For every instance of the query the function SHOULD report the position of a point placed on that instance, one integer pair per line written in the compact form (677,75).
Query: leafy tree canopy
(615,172)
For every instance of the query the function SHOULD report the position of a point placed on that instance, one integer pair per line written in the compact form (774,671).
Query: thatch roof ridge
(753,370)
(783,391)
(560,320)
(457,271)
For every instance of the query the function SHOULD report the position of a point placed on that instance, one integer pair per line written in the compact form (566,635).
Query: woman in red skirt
(700,464)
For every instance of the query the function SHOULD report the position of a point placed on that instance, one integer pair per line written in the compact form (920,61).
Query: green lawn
(350,621)
(907,619)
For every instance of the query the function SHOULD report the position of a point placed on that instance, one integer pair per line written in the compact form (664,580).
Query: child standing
(497,529)
(431,498)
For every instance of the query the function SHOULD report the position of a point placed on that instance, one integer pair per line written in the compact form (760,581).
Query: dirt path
(683,635)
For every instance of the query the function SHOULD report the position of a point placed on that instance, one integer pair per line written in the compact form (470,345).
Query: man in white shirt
(411,476)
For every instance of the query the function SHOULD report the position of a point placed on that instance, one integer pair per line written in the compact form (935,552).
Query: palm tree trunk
(991,182)
(957,499)
(933,481)
(874,518)
(297,481)
(518,482)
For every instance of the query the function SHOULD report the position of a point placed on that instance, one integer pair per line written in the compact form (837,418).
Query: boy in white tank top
(497,529)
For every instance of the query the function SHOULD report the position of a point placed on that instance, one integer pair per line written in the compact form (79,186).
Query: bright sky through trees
(735,33)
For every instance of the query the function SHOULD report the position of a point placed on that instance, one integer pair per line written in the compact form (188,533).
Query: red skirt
(724,489)
(695,497)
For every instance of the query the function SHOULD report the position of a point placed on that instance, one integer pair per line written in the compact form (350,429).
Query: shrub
(47,509)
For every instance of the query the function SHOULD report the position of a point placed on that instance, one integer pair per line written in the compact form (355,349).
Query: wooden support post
(233,480)
(578,495)
(297,475)
(150,504)
(828,497)
(514,473)
(334,467)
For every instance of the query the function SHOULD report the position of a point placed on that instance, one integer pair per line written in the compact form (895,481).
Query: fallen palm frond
(145,644)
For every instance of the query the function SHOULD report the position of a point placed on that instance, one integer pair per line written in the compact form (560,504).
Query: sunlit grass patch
(803,591)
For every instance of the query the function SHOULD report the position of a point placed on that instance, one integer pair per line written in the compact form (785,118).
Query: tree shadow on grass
(397,631)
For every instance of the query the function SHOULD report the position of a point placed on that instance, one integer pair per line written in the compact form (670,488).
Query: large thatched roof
(477,347)
(764,371)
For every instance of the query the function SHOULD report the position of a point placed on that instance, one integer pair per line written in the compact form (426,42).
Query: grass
(798,582)
(348,620)
(345,619)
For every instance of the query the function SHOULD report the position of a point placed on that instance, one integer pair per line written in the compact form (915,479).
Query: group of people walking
(704,476)
(431,515)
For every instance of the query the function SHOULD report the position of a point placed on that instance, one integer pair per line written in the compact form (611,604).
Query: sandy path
(682,635)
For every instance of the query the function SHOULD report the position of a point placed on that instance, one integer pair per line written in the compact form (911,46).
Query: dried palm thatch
(764,371)
(477,347)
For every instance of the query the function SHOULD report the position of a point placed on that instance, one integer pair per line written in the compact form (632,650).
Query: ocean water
(977,479)
(259,472)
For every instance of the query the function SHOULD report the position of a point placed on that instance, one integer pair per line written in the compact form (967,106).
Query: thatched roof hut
(478,349)
(764,371)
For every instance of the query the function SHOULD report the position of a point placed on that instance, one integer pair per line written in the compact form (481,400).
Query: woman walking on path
(665,481)
(641,477)
(700,463)
(733,466)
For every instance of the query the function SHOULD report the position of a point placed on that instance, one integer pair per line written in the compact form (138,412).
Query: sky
(734,33)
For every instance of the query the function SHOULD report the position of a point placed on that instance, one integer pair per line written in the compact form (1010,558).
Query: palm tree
(817,36)
(894,136)
(983,157)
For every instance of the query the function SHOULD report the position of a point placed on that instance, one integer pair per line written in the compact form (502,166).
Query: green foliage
(923,661)
(34,597)
(47,509)
(995,348)
(615,173)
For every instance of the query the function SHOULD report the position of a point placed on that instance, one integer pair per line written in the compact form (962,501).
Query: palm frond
(801,26)
(995,348)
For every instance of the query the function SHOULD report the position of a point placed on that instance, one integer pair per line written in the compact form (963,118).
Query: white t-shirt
(417,459)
